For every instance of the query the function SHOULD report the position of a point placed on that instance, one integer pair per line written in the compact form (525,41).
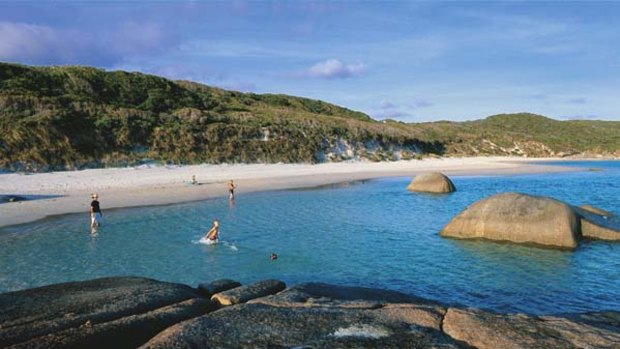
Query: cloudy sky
(411,61)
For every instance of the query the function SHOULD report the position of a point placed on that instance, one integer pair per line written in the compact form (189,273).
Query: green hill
(523,135)
(74,117)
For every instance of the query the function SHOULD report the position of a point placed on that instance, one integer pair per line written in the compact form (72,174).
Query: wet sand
(158,185)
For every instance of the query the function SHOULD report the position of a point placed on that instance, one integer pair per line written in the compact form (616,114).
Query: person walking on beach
(95,211)
(231,190)
(213,233)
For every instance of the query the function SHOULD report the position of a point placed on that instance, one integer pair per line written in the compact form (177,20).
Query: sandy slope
(125,187)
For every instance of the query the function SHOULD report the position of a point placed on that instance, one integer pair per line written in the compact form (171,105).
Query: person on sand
(194,181)
(213,233)
(231,189)
(95,211)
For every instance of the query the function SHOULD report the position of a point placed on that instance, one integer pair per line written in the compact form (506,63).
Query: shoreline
(164,185)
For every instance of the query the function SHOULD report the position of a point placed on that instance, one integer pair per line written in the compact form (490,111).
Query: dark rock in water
(245,293)
(518,218)
(210,288)
(37,312)
(486,330)
(11,198)
(315,316)
(433,182)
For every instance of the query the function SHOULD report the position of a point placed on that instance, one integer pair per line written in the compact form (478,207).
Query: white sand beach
(157,185)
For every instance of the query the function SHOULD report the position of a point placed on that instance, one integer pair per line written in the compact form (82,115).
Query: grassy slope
(524,134)
(67,117)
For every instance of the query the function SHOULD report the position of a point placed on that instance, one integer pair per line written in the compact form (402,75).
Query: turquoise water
(371,233)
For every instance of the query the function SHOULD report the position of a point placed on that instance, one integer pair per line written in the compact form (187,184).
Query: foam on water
(372,233)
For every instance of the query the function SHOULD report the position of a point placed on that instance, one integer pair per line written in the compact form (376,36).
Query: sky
(412,61)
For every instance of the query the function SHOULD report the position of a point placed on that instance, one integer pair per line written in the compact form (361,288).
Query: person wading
(95,211)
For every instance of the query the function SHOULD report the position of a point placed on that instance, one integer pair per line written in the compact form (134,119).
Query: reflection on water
(374,234)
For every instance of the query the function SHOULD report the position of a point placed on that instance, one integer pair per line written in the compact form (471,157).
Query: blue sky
(411,61)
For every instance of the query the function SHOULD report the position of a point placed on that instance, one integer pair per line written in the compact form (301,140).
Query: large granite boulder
(121,310)
(327,316)
(596,210)
(315,316)
(433,182)
(518,218)
(597,224)
(135,312)
(485,330)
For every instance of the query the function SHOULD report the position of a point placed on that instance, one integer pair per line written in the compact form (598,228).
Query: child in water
(213,233)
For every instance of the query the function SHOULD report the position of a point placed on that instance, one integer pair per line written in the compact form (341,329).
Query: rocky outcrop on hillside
(529,219)
(130,312)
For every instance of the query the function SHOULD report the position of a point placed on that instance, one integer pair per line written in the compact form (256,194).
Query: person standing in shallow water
(231,190)
(95,211)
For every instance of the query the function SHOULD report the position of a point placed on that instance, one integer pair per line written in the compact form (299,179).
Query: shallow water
(371,233)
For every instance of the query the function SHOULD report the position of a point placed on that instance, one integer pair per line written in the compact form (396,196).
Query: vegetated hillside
(523,135)
(74,117)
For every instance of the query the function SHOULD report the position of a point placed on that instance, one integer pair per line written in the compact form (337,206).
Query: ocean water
(370,233)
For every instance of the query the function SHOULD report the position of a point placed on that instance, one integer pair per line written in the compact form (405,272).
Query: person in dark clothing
(231,189)
(95,211)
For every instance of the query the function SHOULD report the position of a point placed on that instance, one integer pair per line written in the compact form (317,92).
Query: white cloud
(335,69)
(40,44)
(21,40)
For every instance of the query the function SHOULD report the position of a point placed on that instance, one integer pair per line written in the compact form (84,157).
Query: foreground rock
(134,312)
(210,288)
(316,316)
(518,218)
(484,330)
(245,293)
(125,311)
(433,182)
(326,316)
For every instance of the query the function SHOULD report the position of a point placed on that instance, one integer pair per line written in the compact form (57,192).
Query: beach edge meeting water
(69,191)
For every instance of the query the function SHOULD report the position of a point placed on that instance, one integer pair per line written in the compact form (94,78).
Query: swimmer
(213,233)
(273,256)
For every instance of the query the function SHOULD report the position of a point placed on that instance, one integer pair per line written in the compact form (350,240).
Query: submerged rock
(433,182)
(518,218)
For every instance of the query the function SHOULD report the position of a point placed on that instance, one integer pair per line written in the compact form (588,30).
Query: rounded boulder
(518,218)
(433,182)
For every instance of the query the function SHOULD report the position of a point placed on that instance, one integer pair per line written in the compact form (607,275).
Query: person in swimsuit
(231,189)
(213,233)
(95,211)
